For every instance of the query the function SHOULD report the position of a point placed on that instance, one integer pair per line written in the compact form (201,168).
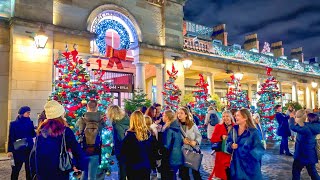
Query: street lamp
(187,63)
(314,84)
(238,75)
(40,39)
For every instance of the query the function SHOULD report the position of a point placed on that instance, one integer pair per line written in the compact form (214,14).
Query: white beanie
(53,109)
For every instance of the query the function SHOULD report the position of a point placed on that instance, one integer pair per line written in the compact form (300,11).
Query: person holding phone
(288,112)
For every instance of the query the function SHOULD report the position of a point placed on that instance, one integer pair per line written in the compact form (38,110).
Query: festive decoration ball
(83,102)
(88,64)
(55,98)
(70,83)
(112,162)
(66,102)
(80,61)
(75,78)
(71,127)
(108,173)
(83,96)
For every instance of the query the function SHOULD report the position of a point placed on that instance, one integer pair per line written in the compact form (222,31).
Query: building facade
(152,33)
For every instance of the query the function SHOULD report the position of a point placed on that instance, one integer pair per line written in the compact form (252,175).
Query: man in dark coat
(305,154)
(283,130)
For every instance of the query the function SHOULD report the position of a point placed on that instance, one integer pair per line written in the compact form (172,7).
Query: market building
(152,34)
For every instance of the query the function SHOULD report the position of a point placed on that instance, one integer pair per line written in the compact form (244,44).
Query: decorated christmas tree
(201,105)
(266,48)
(237,98)
(269,93)
(73,90)
(171,91)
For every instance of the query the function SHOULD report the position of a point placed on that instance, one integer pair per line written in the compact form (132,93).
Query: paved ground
(277,167)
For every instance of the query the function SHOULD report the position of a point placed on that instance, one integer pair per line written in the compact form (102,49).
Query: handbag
(192,158)
(64,159)
(234,139)
(217,146)
(20,144)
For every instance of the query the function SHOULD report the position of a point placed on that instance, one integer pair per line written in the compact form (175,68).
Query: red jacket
(222,160)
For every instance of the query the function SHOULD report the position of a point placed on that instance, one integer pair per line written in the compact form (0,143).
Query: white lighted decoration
(238,75)
(314,84)
(40,39)
(187,63)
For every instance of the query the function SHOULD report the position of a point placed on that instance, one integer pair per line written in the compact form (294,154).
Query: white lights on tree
(314,84)
(187,63)
(266,48)
(40,39)
(238,76)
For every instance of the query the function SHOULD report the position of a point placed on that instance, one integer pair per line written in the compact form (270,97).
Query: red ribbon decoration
(99,63)
(269,71)
(115,56)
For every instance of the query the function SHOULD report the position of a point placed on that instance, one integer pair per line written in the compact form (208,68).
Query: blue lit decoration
(101,30)
(6,8)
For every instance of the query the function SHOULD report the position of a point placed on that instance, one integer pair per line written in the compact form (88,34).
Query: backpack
(318,145)
(213,119)
(91,138)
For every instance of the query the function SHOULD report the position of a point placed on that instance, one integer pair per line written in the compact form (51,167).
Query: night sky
(295,22)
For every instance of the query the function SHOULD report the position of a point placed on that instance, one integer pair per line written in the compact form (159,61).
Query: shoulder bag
(64,158)
(192,158)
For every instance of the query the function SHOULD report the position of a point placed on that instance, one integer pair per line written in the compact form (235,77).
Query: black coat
(119,129)
(21,128)
(136,154)
(283,128)
(305,147)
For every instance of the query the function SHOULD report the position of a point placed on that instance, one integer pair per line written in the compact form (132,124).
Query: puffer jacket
(172,142)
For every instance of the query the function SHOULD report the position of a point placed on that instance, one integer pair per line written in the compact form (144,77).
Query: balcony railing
(217,50)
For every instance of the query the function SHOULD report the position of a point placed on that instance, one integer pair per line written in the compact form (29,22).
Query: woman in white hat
(49,144)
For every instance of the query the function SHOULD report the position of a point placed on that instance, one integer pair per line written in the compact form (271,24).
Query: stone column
(308,97)
(318,97)
(250,92)
(258,89)
(159,82)
(294,92)
(210,80)
(313,102)
(140,81)
(280,90)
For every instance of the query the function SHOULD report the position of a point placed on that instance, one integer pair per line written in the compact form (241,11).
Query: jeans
(284,145)
(297,167)
(184,174)
(92,168)
(19,159)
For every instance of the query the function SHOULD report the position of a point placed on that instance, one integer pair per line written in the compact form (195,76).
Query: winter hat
(24,109)
(53,109)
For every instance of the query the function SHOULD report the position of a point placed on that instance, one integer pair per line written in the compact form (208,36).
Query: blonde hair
(230,115)
(148,120)
(189,120)
(246,114)
(115,113)
(301,116)
(170,115)
(138,125)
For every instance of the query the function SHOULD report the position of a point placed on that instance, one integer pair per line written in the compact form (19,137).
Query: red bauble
(75,78)
(60,78)
(66,102)
(80,61)
(64,93)
(83,96)
(88,64)
(55,98)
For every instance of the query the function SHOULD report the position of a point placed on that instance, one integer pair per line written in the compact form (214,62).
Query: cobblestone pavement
(274,166)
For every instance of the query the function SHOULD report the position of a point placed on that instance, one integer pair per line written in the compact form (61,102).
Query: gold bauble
(84,102)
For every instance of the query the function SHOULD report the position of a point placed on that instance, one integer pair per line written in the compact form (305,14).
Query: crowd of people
(149,141)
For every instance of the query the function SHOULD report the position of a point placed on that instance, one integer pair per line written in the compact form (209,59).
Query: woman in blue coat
(305,154)
(246,148)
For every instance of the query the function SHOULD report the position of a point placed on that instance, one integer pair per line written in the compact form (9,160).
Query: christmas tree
(201,105)
(266,48)
(73,90)
(138,100)
(171,91)
(269,93)
(237,98)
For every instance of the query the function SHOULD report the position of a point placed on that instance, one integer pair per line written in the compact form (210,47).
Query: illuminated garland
(262,59)
(101,30)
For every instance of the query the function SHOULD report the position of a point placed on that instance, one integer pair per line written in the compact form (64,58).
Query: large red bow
(115,56)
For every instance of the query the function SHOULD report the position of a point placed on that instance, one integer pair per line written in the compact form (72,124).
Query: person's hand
(157,121)
(234,146)
(75,169)
(10,155)
(224,137)
(193,143)
(186,141)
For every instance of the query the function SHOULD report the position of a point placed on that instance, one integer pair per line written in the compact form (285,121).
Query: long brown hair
(246,114)
(189,122)
(150,112)
(53,127)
